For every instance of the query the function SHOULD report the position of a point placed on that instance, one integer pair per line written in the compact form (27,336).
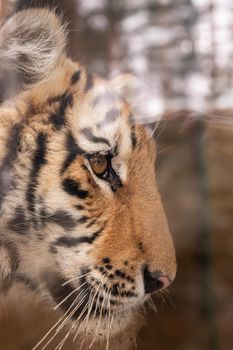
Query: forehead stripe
(110,117)
(75,77)
(58,118)
(89,82)
(91,137)
(73,151)
(133,137)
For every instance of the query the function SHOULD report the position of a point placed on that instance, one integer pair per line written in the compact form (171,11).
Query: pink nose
(165,281)
(155,280)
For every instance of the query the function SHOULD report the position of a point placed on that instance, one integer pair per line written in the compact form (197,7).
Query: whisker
(79,326)
(94,315)
(90,309)
(75,278)
(152,305)
(63,320)
(97,301)
(81,346)
(167,297)
(109,315)
(69,295)
(111,321)
(62,342)
(49,331)
(100,316)
(83,294)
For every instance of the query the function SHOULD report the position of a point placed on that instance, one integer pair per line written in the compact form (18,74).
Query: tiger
(82,225)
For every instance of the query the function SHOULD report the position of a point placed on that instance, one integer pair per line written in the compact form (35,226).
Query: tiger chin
(82,226)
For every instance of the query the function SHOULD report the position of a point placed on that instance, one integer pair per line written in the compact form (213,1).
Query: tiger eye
(99,164)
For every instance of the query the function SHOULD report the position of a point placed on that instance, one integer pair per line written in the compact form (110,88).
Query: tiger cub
(82,226)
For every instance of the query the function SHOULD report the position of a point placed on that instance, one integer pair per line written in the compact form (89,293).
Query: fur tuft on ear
(31,44)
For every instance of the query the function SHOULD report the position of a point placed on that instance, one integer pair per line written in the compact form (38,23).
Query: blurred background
(182,52)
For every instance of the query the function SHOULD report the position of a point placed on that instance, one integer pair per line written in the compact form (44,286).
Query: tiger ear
(31,45)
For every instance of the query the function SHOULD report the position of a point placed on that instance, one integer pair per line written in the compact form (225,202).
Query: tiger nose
(154,280)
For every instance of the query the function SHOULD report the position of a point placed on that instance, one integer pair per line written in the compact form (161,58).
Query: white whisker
(90,309)
(75,278)
(49,331)
(75,290)
(84,310)
(64,320)
(94,315)
(109,316)
(69,316)
(62,342)
(98,324)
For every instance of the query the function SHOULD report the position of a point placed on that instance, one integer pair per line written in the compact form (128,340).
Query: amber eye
(99,164)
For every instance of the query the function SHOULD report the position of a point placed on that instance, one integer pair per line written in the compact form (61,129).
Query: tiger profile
(82,226)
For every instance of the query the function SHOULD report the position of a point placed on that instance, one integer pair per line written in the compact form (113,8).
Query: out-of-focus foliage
(181,50)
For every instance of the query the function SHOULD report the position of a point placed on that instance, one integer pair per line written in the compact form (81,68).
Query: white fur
(36,36)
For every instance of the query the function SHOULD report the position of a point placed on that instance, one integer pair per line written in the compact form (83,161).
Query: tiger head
(87,226)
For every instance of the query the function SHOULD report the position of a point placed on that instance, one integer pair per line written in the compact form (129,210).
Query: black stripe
(28,282)
(73,151)
(79,207)
(89,82)
(19,223)
(61,218)
(133,137)
(38,161)
(83,219)
(91,223)
(54,99)
(73,188)
(58,119)
(12,146)
(67,241)
(110,117)
(12,251)
(75,77)
(91,137)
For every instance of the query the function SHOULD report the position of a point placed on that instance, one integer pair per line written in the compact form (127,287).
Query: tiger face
(87,227)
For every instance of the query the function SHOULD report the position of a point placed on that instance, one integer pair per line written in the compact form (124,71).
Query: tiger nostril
(154,280)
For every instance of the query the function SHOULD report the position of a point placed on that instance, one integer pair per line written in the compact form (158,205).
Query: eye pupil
(99,164)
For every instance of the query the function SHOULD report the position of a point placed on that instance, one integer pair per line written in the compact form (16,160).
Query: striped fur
(61,225)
